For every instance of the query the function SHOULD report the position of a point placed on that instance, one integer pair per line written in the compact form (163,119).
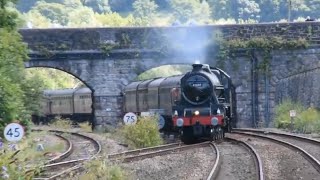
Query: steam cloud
(189,43)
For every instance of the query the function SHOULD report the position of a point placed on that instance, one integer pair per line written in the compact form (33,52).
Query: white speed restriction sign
(13,132)
(130,118)
(292,113)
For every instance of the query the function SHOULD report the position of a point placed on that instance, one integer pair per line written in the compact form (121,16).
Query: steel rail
(97,146)
(142,150)
(315,163)
(161,150)
(60,157)
(217,164)
(252,150)
(65,154)
(310,140)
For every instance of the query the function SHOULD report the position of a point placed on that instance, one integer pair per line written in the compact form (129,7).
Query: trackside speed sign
(130,118)
(13,132)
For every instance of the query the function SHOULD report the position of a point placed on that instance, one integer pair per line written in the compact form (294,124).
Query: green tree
(145,10)
(17,94)
(82,17)
(55,12)
(221,9)
(100,6)
(114,20)
(122,6)
(8,19)
(270,10)
(164,71)
(248,9)
(12,54)
(186,10)
(35,19)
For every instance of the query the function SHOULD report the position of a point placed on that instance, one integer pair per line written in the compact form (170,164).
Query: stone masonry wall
(152,37)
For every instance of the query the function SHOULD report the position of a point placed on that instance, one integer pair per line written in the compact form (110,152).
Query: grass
(102,169)
(85,127)
(306,121)
(16,162)
(29,151)
(61,123)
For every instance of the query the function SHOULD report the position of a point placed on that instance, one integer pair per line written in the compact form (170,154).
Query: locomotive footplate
(198,129)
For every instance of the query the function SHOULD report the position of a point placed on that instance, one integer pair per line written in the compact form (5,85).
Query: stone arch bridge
(107,59)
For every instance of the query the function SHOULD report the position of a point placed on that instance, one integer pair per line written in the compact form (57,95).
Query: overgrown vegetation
(143,134)
(12,167)
(17,158)
(60,123)
(102,169)
(306,121)
(228,49)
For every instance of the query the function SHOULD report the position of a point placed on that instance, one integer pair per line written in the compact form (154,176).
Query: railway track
(239,160)
(81,148)
(254,154)
(64,154)
(284,159)
(310,150)
(140,154)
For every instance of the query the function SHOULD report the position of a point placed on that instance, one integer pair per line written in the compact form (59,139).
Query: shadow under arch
(92,119)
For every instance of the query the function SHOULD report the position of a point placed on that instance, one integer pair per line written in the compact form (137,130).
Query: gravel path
(237,162)
(280,162)
(192,164)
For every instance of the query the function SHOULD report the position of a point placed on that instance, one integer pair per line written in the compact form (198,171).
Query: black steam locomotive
(198,104)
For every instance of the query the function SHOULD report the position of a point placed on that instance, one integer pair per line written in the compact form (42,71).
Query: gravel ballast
(191,165)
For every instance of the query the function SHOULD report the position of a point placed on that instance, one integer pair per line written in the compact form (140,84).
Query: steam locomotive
(198,104)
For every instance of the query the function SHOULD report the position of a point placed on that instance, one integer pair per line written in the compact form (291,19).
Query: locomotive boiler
(198,104)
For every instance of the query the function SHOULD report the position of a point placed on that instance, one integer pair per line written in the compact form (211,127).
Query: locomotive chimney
(196,67)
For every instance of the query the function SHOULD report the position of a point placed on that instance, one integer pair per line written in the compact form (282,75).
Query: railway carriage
(74,104)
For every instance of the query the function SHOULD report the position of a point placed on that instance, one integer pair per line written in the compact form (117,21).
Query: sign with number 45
(13,132)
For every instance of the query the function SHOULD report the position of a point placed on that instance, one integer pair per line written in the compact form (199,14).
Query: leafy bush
(59,122)
(101,169)
(144,134)
(306,121)
(12,168)
(282,118)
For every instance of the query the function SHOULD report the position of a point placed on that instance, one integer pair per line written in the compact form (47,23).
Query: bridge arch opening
(164,71)
(63,95)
